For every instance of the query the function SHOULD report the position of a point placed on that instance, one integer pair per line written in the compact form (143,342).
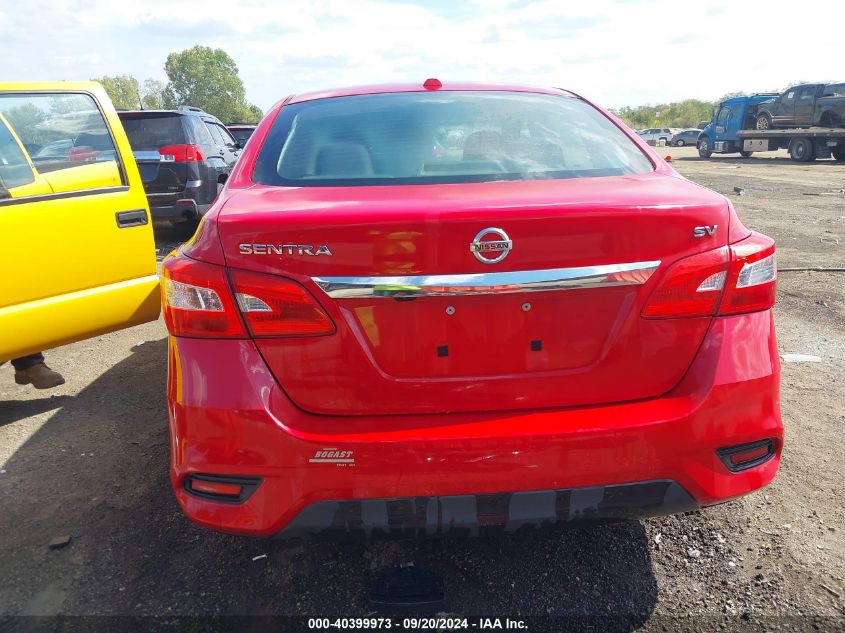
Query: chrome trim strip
(487,283)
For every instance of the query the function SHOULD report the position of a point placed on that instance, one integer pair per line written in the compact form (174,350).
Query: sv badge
(705,231)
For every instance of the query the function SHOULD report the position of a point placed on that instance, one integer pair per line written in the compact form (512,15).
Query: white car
(656,134)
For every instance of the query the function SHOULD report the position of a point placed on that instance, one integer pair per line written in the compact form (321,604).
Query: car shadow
(15,410)
(97,471)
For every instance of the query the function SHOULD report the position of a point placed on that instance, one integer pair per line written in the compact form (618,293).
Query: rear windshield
(242,133)
(443,137)
(149,133)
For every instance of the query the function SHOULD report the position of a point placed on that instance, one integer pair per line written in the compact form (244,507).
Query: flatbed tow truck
(732,131)
(804,144)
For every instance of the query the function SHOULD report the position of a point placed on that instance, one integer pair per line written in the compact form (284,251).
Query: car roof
(150,112)
(50,86)
(182,111)
(447,86)
(755,98)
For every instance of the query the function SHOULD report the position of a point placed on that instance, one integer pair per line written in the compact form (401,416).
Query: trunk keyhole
(526,307)
(450,310)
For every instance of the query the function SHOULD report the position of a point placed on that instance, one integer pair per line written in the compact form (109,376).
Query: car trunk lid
(425,325)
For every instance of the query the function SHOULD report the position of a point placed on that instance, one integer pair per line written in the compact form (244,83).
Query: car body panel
(463,86)
(730,395)
(54,239)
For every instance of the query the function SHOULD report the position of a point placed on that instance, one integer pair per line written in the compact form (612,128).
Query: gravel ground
(89,461)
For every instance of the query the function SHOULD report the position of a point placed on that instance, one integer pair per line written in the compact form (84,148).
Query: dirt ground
(89,460)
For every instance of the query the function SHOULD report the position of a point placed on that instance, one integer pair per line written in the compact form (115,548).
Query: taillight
(197,301)
(200,301)
(728,280)
(752,283)
(188,153)
(274,306)
(691,287)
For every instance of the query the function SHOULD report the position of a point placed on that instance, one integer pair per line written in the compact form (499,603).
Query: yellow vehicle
(76,244)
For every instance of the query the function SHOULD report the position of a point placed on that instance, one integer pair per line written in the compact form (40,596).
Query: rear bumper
(474,515)
(188,203)
(429,473)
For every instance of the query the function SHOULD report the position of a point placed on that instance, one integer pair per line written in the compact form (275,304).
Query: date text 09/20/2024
(417,624)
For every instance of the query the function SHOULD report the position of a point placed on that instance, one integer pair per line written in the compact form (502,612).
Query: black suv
(184,157)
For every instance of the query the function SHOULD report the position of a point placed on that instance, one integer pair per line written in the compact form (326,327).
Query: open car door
(76,244)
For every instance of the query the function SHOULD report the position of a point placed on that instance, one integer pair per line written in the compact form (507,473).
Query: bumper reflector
(220,488)
(744,456)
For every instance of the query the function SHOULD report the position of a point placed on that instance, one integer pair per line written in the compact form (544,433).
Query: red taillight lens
(691,286)
(728,280)
(221,488)
(197,301)
(744,456)
(181,153)
(274,306)
(752,282)
(215,488)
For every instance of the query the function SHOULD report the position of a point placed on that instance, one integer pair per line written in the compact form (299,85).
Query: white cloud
(618,53)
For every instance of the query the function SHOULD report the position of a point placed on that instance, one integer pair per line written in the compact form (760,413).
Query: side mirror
(239,144)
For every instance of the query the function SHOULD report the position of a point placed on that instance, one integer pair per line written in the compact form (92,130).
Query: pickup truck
(76,242)
(805,105)
(830,107)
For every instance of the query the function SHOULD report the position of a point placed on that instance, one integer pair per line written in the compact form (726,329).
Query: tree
(123,90)
(152,95)
(25,119)
(256,114)
(207,78)
(685,113)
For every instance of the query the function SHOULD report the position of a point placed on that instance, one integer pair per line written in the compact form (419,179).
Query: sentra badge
(284,249)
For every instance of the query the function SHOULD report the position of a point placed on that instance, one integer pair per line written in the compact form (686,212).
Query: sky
(616,52)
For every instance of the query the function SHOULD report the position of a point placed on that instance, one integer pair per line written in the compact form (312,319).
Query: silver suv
(656,134)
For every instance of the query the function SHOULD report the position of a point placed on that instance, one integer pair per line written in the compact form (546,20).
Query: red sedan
(453,308)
